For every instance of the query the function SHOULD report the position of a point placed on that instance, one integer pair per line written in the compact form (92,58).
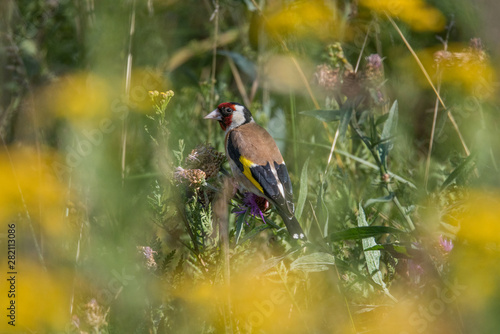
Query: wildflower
(153,93)
(205,158)
(327,77)
(254,204)
(373,71)
(160,100)
(195,177)
(95,315)
(148,253)
(416,13)
(446,244)
(167,94)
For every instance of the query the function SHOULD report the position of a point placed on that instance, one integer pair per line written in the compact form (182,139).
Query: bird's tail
(293,226)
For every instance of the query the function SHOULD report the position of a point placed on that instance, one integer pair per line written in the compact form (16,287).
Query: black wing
(270,185)
(284,205)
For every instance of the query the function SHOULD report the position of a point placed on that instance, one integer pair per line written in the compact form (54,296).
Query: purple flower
(375,61)
(257,206)
(446,244)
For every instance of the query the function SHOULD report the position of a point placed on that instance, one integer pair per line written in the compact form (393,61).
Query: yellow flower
(29,188)
(263,305)
(460,67)
(480,222)
(41,299)
(303,17)
(476,260)
(78,96)
(416,13)
(145,84)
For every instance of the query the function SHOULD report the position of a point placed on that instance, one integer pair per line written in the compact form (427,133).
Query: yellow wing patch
(247,164)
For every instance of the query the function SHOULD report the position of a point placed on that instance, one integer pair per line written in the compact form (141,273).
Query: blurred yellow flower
(262,305)
(41,299)
(460,66)
(29,187)
(468,67)
(85,96)
(476,262)
(78,96)
(481,221)
(303,17)
(416,13)
(143,81)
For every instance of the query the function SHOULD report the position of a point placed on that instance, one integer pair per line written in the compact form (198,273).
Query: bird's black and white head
(231,115)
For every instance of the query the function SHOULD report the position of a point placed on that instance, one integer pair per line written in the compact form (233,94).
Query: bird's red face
(223,114)
(230,115)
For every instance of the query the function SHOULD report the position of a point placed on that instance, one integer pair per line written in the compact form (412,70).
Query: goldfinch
(256,161)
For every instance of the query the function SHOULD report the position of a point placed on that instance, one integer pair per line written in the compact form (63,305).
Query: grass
(126,216)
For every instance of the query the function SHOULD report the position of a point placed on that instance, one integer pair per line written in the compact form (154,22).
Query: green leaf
(273,224)
(372,257)
(321,207)
(255,231)
(239,225)
(384,199)
(303,191)
(313,262)
(382,119)
(344,121)
(166,261)
(465,167)
(324,115)
(388,133)
(274,261)
(391,123)
(357,233)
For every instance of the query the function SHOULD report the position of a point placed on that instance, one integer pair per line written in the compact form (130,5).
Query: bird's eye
(229,110)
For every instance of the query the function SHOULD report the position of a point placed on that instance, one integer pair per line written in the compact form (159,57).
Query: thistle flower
(327,77)
(205,158)
(373,70)
(195,177)
(257,206)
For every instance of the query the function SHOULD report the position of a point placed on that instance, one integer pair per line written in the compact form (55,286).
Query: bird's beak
(214,115)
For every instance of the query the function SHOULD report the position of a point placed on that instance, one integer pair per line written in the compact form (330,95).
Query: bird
(256,161)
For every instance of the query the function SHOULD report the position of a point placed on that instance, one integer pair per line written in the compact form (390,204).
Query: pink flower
(446,244)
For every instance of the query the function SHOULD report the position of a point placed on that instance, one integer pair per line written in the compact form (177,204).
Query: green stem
(294,130)
(401,209)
